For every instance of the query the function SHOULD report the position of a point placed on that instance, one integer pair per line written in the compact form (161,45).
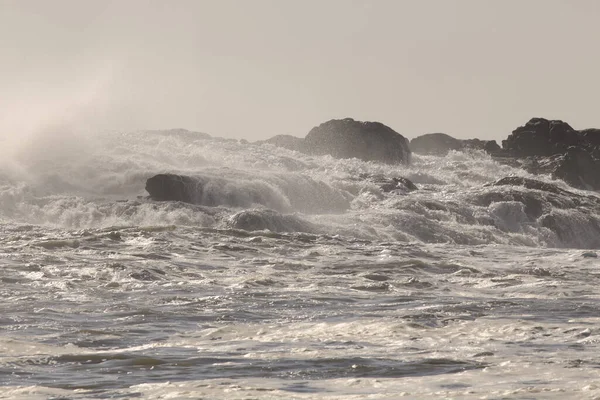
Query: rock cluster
(553,147)
(540,146)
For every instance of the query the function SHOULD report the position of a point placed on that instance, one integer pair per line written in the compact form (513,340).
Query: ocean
(297,277)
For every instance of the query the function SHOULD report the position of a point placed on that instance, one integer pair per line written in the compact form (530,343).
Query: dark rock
(241,190)
(489,146)
(368,141)
(492,147)
(553,147)
(171,187)
(592,137)
(541,137)
(392,184)
(579,169)
(440,144)
(286,141)
(574,231)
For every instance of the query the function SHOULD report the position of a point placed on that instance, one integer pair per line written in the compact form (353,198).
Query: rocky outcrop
(553,147)
(542,137)
(368,141)
(440,144)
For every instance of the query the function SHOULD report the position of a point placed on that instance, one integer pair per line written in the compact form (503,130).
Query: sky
(253,69)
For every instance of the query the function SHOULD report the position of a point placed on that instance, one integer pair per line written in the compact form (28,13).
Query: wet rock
(438,144)
(553,147)
(388,184)
(258,220)
(489,146)
(570,217)
(535,204)
(171,187)
(579,169)
(368,141)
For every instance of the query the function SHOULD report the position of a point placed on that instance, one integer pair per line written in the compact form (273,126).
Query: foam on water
(295,277)
(77,188)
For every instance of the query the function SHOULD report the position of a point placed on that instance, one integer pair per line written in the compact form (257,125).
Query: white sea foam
(296,277)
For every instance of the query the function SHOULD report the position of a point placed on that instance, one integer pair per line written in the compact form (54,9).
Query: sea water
(357,293)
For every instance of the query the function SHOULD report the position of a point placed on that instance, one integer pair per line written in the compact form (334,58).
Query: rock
(569,217)
(579,169)
(553,147)
(540,199)
(368,141)
(440,144)
(171,187)
(542,137)
(489,146)
(260,219)
(387,184)
(390,184)
(535,205)
(240,189)
(286,141)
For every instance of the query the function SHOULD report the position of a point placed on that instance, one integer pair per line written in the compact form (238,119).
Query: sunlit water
(424,294)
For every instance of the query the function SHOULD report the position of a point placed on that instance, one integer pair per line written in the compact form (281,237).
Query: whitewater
(343,290)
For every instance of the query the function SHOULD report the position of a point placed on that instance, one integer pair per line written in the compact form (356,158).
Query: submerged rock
(259,220)
(529,184)
(391,184)
(368,141)
(570,216)
(282,192)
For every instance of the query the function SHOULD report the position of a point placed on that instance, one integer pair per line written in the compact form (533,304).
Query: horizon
(253,70)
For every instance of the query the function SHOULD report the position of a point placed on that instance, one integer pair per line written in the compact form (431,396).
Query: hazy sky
(256,68)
